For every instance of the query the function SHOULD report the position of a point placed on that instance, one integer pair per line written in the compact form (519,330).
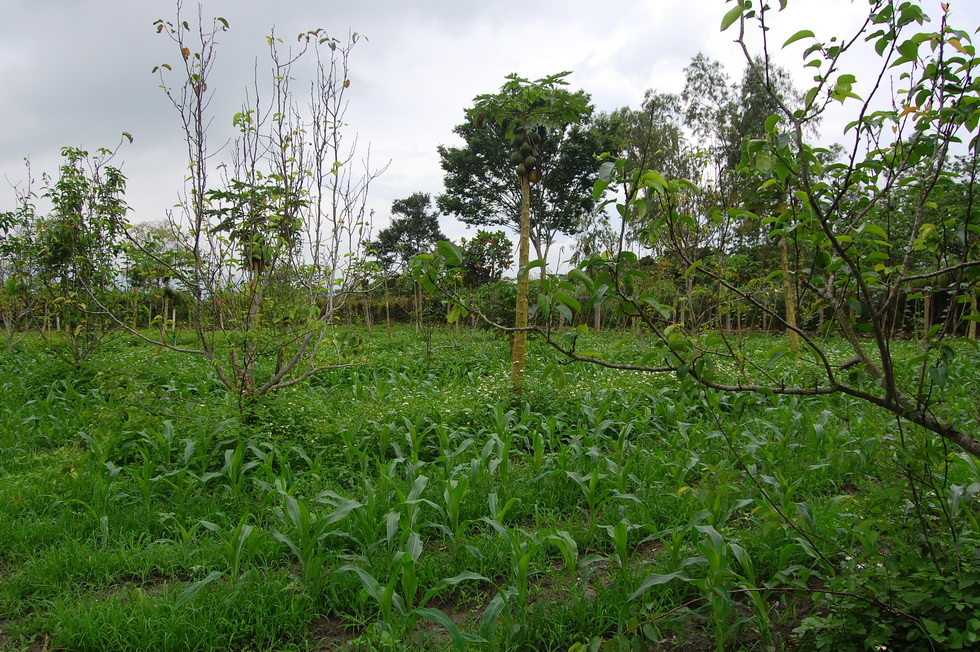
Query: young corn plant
(502,439)
(370,518)
(756,598)
(596,492)
(235,543)
(448,454)
(622,473)
(454,491)
(236,468)
(522,549)
(307,532)
(717,496)
(146,475)
(715,586)
(408,509)
(620,534)
(566,546)
(102,473)
(102,494)
(400,612)
(539,460)
(414,435)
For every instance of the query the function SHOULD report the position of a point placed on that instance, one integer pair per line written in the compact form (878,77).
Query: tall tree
(20,272)
(78,246)
(527,115)
(414,229)
(486,256)
(481,189)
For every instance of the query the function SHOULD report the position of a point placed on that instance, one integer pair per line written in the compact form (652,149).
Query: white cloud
(77,72)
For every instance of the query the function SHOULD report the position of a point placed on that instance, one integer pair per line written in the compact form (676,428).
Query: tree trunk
(249,349)
(926,313)
(972,330)
(789,298)
(387,308)
(519,347)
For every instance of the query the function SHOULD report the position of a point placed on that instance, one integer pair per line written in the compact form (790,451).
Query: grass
(417,502)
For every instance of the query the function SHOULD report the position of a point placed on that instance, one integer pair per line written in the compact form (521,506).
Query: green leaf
(732,15)
(490,615)
(581,277)
(569,301)
(775,354)
(343,509)
(655,580)
(874,229)
(811,95)
(439,618)
(465,576)
(802,34)
(565,312)
(527,268)
(606,171)
(194,588)
(450,253)
(598,188)
(370,584)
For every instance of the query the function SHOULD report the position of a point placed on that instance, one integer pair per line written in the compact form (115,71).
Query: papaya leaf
(450,253)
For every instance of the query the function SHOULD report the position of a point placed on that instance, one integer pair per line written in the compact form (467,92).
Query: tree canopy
(482,190)
(414,229)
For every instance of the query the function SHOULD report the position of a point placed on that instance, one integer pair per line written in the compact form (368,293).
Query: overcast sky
(77,72)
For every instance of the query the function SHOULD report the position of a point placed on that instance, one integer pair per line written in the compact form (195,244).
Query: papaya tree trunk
(519,348)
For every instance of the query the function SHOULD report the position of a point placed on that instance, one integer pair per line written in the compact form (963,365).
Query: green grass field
(421,503)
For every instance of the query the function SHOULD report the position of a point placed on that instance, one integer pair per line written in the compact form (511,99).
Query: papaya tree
(526,112)
(480,185)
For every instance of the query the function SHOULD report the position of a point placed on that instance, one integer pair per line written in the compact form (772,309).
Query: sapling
(234,543)
(522,548)
(308,532)
(620,533)
(399,612)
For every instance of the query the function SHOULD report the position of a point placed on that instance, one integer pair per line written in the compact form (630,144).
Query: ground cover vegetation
(416,501)
(746,420)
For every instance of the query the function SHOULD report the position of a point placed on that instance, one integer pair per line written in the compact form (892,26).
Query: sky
(78,73)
